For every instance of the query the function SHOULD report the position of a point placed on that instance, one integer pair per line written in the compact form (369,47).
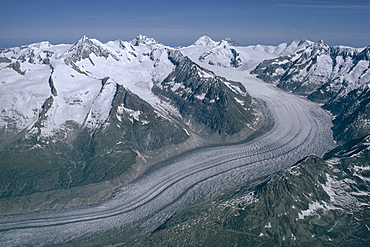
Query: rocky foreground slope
(320,202)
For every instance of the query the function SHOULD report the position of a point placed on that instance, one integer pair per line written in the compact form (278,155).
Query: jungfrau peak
(231,42)
(205,41)
(83,48)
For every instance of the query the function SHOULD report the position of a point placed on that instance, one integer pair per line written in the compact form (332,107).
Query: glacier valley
(238,127)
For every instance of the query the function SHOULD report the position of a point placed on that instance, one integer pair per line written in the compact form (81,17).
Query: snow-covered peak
(231,42)
(223,55)
(298,44)
(223,44)
(83,41)
(318,71)
(33,46)
(205,41)
(322,45)
(40,45)
(259,47)
(285,49)
(143,40)
(36,53)
(365,54)
(83,48)
(86,42)
(345,51)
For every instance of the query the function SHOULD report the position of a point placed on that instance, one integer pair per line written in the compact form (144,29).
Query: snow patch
(132,114)
(200,96)
(314,207)
(268,225)
(241,102)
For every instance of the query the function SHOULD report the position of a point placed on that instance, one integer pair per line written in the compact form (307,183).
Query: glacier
(300,128)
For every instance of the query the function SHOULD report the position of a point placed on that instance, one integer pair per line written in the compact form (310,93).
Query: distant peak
(205,40)
(87,41)
(142,39)
(295,41)
(84,47)
(43,44)
(321,43)
(83,39)
(302,42)
(231,42)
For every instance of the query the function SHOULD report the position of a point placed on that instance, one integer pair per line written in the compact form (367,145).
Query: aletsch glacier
(300,128)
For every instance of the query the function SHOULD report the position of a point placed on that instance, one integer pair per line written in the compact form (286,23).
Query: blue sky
(337,22)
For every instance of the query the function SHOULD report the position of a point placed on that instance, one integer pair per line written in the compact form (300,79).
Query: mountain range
(89,113)
(78,121)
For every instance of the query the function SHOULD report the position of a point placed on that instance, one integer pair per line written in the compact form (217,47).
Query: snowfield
(300,128)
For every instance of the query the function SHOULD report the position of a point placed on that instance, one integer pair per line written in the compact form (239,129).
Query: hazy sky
(172,22)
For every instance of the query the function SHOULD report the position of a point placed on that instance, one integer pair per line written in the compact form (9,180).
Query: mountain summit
(205,41)
(142,39)
(83,48)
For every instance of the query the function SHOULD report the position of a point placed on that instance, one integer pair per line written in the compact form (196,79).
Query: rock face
(337,77)
(87,113)
(318,71)
(352,113)
(206,101)
(315,202)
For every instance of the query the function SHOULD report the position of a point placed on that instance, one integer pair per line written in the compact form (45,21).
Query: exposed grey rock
(337,77)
